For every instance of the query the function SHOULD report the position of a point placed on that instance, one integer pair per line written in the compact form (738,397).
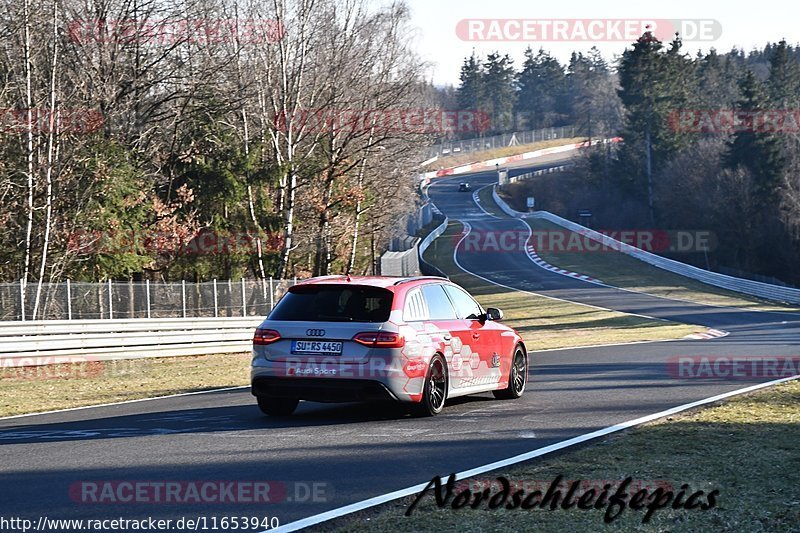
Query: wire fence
(72,300)
(498,141)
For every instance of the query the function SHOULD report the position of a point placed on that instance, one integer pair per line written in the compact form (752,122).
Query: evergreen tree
(783,84)
(717,81)
(592,103)
(471,91)
(759,152)
(499,94)
(541,83)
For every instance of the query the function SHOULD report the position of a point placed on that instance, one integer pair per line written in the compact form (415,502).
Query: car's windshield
(334,303)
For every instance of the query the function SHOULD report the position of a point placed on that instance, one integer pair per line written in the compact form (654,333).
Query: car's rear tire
(434,393)
(277,406)
(517,377)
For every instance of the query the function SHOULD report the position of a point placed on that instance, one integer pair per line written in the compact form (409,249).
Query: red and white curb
(530,251)
(477,200)
(710,334)
(533,256)
(490,164)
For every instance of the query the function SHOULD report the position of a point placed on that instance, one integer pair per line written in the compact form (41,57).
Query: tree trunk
(52,154)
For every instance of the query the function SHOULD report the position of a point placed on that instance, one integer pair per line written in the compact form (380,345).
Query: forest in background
(166,141)
(149,140)
(680,167)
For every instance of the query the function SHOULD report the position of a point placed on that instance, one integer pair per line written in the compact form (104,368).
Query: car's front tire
(434,392)
(517,377)
(277,406)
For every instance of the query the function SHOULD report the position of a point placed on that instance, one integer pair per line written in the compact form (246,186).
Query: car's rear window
(334,303)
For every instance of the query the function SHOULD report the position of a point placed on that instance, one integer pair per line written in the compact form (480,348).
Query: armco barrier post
(229,306)
(244,300)
(69,301)
(110,301)
(147,295)
(271,295)
(22,298)
(216,300)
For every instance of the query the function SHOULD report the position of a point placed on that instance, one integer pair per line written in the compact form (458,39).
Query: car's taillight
(265,336)
(380,339)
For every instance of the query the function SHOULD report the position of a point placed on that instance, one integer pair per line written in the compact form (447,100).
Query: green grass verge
(471,157)
(488,203)
(545,323)
(623,271)
(61,386)
(748,448)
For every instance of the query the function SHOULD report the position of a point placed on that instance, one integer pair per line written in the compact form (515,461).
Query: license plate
(317,347)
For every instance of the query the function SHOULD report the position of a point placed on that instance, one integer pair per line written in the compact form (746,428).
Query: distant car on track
(464,187)
(418,340)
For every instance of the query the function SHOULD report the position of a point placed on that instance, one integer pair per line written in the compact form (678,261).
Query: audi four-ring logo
(315,332)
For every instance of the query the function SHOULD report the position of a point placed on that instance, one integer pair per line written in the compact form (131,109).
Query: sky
(743,24)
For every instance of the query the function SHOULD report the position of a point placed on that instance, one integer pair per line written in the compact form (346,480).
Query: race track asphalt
(350,452)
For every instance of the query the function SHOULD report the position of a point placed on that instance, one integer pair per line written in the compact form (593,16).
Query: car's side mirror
(492,313)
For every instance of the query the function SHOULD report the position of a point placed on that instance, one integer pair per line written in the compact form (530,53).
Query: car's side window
(439,306)
(415,308)
(466,307)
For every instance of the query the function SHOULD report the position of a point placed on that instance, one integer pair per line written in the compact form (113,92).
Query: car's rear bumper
(325,381)
(321,389)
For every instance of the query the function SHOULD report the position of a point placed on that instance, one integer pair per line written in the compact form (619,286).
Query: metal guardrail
(141,299)
(754,288)
(43,342)
(427,268)
(528,175)
(479,144)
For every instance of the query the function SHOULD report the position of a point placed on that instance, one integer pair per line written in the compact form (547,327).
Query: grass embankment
(545,323)
(748,448)
(471,157)
(623,271)
(51,387)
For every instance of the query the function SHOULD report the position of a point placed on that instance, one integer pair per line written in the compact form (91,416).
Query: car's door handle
(476,335)
(447,336)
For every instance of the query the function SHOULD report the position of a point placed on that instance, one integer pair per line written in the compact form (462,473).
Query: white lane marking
(468,228)
(574,275)
(604,345)
(538,452)
(465,233)
(477,200)
(531,254)
(530,251)
(793,312)
(710,334)
(126,402)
